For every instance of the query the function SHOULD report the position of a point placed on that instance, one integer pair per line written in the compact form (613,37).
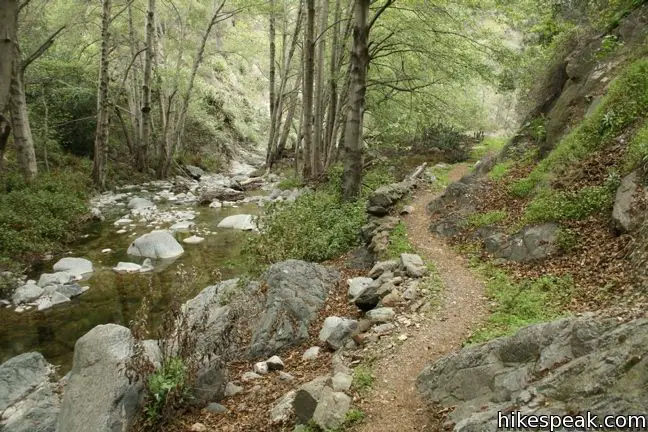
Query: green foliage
(609,44)
(637,149)
(566,239)
(499,171)
(488,146)
(522,303)
(354,416)
(318,225)
(363,378)
(170,378)
(625,102)
(478,220)
(552,205)
(399,242)
(289,183)
(43,215)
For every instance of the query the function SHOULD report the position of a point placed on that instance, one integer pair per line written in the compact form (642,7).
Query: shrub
(478,220)
(637,149)
(170,378)
(43,215)
(398,242)
(363,378)
(289,183)
(315,227)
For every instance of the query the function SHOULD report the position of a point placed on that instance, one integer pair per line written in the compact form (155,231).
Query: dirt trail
(393,403)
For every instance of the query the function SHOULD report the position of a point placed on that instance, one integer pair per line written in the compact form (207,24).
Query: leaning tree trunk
(103,104)
(316,155)
(309,53)
(8,13)
(142,152)
(352,177)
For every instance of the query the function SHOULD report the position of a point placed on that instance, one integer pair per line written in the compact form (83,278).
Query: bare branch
(41,50)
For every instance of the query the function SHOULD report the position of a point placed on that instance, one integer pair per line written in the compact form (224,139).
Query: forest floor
(393,404)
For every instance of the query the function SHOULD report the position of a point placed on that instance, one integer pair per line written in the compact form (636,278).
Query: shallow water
(115,298)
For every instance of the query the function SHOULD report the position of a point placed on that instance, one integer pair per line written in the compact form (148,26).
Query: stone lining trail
(393,403)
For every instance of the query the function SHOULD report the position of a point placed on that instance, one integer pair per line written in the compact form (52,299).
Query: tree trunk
(273,107)
(353,151)
(22,134)
(8,13)
(309,53)
(142,151)
(103,104)
(332,107)
(316,155)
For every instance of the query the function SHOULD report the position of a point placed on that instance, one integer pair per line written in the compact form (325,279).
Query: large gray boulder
(98,396)
(243,222)
(27,293)
(28,398)
(625,216)
(575,364)
(331,410)
(296,291)
(212,192)
(74,266)
(381,201)
(533,243)
(157,245)
(336,330)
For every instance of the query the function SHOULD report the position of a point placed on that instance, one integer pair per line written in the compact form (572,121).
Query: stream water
(115,297)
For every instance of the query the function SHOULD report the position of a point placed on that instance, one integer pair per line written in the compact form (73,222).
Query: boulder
(311,353)
(57,278)
(275,363)
(372,295)
(157,245)
(139,204)
(625,218)
(341,381)
(381,315)
(71,290)
(307,398)
(413,265)
(532,243)
(244,222)
(74,266)
(193,171)
(331,409)
(193,240)
(209,193)
(383,266)
(28,398)
(51,299)
(282,409)
(357,286)
(182,226)
(127,267)
(210,384)
(571,365)
(26,293)
(335,331)
(98,396)
(386,196)
(296,291)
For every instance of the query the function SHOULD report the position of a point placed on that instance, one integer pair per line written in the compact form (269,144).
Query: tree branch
(380,11)
(41,50)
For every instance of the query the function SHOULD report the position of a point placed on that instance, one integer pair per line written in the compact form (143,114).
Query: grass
(518,304)
(399,242)
(625,102)
(637,149)
(478,220)
(499,171)
(550,206)
(489,145)
(363,378)
(289,183)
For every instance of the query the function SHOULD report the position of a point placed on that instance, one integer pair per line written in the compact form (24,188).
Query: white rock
(47,302)
(216,204)
(283,408)
(358,285)
(107,250)
(127,267)
(311,353)
(243,222)
(58,278)
(139,203)
(147,266)
(193,240)
(381,315)
(275,363)
(123,221)
(156,244)
(232,389)
(250,376)
(74,266)
(182,226)
(121,231)
(261,368)
(26,293)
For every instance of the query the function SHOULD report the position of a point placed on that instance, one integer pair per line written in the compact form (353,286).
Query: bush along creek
(162,240)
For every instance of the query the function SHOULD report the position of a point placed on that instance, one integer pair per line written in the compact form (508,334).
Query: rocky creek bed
(53,309)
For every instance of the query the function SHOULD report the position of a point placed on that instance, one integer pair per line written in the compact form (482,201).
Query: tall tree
(307,104)
(8,13)
(103,103)
(144,144)
(273,107)
(316,154)
(352,177)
